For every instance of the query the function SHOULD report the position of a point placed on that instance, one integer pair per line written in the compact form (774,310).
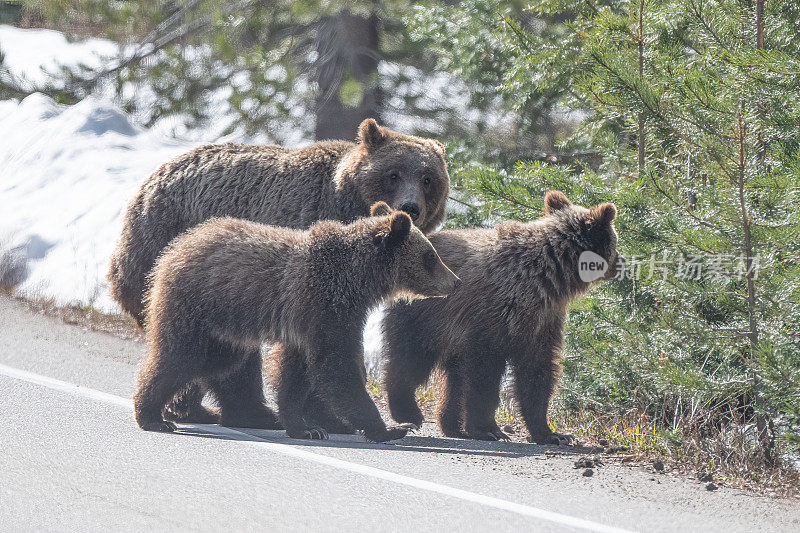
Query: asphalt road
(72,458)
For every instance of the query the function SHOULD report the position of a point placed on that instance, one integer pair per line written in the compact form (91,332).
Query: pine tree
(467,39)
(695,108)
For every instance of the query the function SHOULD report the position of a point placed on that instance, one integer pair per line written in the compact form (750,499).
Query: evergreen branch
(706,103)
(87,84)
(168,22)
(144,51)
(465,204)
(654,112)
(698,15)
(684,208)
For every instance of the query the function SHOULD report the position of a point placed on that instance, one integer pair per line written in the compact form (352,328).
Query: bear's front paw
(414,417)
(310,433)
(316,433)
(391,432)
(454,432)
(162,426)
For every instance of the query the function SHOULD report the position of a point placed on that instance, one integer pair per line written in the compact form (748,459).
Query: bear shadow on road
(413,443)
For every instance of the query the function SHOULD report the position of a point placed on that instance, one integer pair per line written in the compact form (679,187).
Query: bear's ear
(399,228)
(379,209)
(371,135)
(554,201)
(604,214)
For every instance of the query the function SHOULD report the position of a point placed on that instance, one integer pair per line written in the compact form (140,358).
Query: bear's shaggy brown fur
(225,287)
(335,180)
(518,280)
(329,180)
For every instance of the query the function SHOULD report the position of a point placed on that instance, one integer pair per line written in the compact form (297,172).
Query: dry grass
(13,271)
(728,455)
(119,325)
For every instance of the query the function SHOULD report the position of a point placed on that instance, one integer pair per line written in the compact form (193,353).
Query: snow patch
(66,174)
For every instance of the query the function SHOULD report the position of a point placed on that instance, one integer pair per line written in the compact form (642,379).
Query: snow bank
(66,173)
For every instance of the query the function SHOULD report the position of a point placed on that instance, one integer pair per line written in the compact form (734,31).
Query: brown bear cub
(517,282)
(329,180)
(225,287)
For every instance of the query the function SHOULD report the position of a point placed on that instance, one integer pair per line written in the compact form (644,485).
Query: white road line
(300,453)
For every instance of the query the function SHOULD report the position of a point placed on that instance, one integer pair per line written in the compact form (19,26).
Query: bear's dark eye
(427,180)
(393,176)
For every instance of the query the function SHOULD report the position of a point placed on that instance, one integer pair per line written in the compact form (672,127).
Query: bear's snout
(412,208)
(449,283)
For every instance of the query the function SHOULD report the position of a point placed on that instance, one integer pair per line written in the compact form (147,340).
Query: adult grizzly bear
(336,180)
(329,180)
(225,287)
(518,280)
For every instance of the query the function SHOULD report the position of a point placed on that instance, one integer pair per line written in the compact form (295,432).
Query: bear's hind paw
(197,415)
(162,426)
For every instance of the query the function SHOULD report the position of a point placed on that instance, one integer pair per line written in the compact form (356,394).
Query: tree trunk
(549,131)
(762,422)
(640,140)
(763,425)
(347,74)
(760,24)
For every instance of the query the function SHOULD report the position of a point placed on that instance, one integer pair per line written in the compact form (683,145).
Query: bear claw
(563,439)
(315,433)
(412,418)
(199,415)
(391,432)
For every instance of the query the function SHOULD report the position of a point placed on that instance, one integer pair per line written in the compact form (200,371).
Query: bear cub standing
(225,287)
(518,281)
